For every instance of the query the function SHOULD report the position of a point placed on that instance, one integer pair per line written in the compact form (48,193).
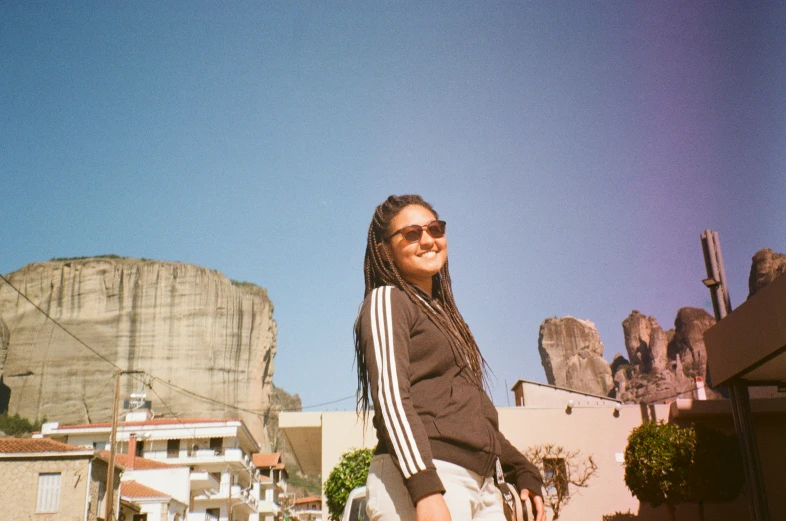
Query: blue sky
(577,151)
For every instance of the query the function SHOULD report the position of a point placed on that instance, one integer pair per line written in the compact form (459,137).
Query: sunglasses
(414,232)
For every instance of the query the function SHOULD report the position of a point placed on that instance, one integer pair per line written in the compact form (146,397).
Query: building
(154,489)
(273,484)
(223,482)
(48,480)
(308,508)
(535,394)
(596,426)
(746,350)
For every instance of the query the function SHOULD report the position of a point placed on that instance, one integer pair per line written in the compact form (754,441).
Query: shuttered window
(48,492)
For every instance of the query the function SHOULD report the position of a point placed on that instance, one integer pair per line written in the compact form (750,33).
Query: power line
(669,397)
(69,333)
(182,390)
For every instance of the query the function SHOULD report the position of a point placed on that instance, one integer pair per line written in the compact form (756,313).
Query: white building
(222,482)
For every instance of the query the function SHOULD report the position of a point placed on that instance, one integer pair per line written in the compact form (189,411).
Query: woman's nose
(426,239)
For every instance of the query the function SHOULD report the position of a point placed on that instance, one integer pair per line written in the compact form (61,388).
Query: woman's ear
(383,249)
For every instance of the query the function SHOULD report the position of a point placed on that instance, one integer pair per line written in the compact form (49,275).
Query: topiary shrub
(351,472)
(667,464)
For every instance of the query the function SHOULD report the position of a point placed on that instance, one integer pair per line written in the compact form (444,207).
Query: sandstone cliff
(183,324)
(660,365)
(572,355)
(766,265)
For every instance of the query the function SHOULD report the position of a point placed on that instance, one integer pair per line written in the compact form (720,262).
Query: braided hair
(380,270)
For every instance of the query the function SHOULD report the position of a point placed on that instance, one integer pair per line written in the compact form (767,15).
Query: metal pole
(738,389)
(110,474)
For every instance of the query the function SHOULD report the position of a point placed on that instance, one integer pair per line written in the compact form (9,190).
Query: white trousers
(468,495)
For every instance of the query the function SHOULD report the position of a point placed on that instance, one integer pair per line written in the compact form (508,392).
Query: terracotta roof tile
(36,445)
(132,489)
(309,499)
(124,460)
(154,421)
(266,460)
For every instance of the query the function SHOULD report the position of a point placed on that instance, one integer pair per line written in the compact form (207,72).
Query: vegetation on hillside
(17,426)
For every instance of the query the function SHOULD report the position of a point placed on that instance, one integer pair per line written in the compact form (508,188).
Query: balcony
(243,501)
(202,479)
(215,460)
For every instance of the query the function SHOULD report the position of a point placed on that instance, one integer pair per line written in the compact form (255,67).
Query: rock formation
(661,364)
(572,355)
(766,265)
(190,328)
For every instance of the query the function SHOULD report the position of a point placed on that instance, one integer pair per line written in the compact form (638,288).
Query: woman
(420,366)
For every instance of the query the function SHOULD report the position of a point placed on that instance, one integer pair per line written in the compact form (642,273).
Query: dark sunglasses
(414,232)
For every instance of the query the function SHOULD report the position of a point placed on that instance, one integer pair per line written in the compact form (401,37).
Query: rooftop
(134,490)
(38,446)
(148,423)
(267,460)
(309,499)
(124,460)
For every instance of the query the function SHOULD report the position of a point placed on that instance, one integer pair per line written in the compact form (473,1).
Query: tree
(562,469)
(351,472)
(667,464)
(657,461)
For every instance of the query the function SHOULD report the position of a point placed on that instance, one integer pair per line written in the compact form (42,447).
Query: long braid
(379,270)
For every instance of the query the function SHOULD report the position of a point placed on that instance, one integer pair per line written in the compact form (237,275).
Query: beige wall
(19,488)
(595,431)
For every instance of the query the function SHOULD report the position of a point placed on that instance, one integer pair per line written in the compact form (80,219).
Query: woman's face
(417,261)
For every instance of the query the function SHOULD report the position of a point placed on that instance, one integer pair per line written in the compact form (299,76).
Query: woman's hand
(538,508)
(432,508)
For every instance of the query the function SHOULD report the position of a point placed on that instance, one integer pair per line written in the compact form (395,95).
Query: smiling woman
(438,435)
(417,255)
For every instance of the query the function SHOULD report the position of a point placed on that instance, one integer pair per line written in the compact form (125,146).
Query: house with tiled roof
(273,482)
(153,504)
(216,456)
(47,480)
(308,508)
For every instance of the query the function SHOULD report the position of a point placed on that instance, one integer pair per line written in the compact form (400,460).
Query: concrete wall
(19,488)
(599,432)
(175,482)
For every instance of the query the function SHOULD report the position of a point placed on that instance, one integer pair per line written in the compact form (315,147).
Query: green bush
(351,472)
(16,425)
(667,464)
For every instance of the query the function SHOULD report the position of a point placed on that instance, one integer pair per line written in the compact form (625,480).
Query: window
(140,517)
(555,476)
(212,514)
(173,448)
(48,492)
(140,449)
(217,444)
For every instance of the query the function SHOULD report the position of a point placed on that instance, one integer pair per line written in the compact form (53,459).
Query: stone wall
(19,489)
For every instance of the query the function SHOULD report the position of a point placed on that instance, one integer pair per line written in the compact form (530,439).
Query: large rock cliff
(572,355)
(661,365)
(207,342)
(766,265)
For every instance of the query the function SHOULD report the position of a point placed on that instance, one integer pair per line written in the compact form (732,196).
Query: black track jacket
(425,405)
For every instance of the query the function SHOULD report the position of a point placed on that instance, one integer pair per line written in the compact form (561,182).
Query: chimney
(131,451)
(701,394)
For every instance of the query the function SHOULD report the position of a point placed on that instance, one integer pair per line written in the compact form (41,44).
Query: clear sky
(577,151)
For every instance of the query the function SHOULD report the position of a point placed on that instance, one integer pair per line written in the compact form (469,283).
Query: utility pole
(738,389)
(110,475)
